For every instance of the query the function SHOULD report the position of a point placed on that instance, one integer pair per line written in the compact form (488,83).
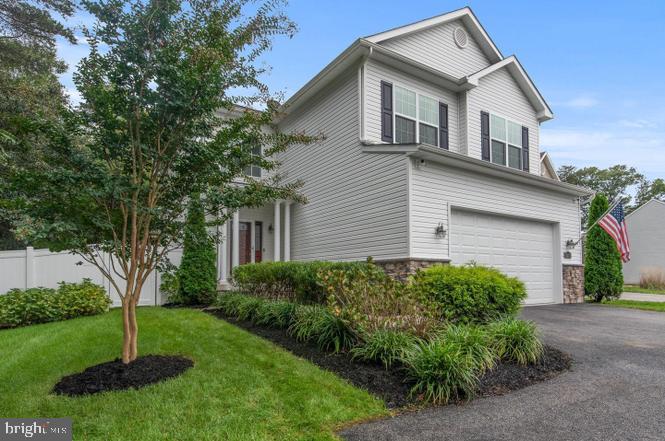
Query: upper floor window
(506,142)
(416,117)
(254,170)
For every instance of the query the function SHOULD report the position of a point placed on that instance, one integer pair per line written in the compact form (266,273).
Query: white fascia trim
(465,14)
(446,157)
(513,65)
(545,159)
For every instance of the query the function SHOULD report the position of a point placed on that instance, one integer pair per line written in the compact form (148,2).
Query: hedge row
(297,281)
(40,305)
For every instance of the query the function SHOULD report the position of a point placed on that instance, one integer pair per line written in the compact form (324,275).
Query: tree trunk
(134,331)
(126,331)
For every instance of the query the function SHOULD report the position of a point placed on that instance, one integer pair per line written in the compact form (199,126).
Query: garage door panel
(519,248)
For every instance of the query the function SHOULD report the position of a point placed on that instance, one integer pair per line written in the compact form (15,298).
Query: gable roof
(652,201)
(523,80)
(549,165)
(465,14)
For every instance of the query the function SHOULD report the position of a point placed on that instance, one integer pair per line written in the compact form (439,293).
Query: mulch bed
(390,385)
(114,375)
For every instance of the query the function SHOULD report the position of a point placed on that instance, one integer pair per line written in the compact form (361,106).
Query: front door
(258,241)
(245,242)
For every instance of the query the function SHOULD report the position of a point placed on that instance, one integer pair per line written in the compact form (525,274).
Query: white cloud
(638,148)
(638,123)
(74,96)
(580,102)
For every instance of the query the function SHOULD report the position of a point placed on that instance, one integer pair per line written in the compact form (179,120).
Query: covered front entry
(255,235)
(521,248)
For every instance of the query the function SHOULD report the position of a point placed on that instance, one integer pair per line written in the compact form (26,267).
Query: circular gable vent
(460,37)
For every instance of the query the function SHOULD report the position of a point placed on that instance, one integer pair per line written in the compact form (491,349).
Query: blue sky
(600,65)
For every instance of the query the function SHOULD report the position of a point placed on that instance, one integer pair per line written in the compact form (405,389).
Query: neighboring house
(646,233)
(431,155)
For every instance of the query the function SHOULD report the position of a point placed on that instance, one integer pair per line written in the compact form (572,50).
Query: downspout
(361,81)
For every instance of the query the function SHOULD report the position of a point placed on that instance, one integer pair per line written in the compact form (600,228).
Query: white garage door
(519,248)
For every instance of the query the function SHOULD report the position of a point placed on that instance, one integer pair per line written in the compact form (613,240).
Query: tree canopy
(159,121)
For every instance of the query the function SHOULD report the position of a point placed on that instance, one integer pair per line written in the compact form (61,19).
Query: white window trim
(251,167)
(506,143)
(417,119)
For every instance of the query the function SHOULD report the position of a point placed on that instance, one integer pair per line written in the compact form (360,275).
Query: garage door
(519,248)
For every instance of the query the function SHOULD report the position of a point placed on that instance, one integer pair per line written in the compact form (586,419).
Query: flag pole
(616,202)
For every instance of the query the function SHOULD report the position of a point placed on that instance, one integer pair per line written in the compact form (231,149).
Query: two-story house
(431,154)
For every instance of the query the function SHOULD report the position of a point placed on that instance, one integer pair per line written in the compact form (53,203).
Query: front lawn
(647,306)
(636,288)
(241,387)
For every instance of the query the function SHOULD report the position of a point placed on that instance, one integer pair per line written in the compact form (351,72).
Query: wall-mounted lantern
(440,231)
(270,229)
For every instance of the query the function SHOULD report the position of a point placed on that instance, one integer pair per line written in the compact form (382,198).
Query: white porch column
(277,228)
(222,252)
(287,231)
(235,252)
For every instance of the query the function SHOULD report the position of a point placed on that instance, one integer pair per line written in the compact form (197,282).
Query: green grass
(241,387)
(647,306)
(636,288)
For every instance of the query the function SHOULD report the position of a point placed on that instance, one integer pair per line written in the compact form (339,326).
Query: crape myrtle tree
(603,276)
(148,134)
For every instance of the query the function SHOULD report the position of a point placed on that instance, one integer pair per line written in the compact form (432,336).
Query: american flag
(614,223)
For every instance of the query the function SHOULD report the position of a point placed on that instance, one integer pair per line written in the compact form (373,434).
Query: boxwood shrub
(21,307)
(296,281)
(469,294)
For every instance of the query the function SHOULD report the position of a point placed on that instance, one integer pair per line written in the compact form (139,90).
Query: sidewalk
(641,297)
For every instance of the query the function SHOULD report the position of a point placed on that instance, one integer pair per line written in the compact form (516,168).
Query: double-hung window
(416,118)
(254,170)
(506,142)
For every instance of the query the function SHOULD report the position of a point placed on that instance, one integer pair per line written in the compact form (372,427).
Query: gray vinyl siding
(647,241)
(357,201)
(499,93)
(436,187)
(463,121)
(376,72)
(435,47)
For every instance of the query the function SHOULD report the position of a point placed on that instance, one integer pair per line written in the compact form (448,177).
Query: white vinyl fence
(32,268)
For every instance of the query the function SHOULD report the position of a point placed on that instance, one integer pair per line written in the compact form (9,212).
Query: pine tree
(603,276)
(198,270)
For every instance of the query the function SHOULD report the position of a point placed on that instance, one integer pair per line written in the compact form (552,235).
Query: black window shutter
(386,112)
(443,126)
(525,149)
(485,136)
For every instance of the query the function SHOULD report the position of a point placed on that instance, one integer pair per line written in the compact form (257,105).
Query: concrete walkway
(615,391)
(643,297)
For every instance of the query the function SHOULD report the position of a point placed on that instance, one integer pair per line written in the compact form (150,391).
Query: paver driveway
(615,391)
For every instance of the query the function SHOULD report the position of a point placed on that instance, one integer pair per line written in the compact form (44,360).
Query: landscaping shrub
(372,301)
(441,370)
(474,342)
(295,281)
(230,303)
(515,340)
(316,323)
(247,308)
(468,294)
(40,305)
(652,278)
(386,346)
(197,274)
(603,276)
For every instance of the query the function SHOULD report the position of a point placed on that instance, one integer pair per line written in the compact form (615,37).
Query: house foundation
(401,269)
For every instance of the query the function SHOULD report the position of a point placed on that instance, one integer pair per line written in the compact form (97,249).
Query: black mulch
(390,385)
(114,375)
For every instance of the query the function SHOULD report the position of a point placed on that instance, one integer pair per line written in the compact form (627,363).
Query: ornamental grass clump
(316,323)
(474,342)
(515,340)
(276,314)
(385,346)
(441,370)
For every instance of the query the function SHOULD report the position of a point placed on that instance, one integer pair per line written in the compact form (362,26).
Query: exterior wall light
(439,231)
(270,229)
